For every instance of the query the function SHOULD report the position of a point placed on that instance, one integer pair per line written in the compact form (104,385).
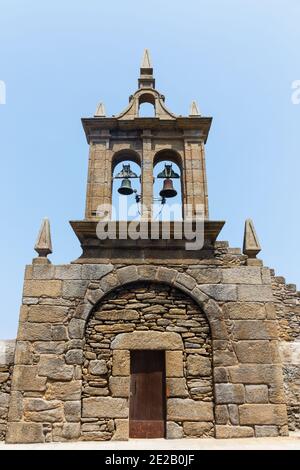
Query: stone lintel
(148,340)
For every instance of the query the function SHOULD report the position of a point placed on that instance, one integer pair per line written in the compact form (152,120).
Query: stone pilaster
(147,175)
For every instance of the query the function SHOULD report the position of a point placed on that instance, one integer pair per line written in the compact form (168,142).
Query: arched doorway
(147,370)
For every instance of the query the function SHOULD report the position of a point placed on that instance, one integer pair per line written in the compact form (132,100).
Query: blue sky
(238,59)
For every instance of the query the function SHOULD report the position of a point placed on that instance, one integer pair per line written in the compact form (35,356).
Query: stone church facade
(214,327)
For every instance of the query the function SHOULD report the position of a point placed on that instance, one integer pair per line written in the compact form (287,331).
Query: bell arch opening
(147,98)
(147,316)
(126,186)
(125,155)
(167,187)
(168,155)
(146,110)
(146,105)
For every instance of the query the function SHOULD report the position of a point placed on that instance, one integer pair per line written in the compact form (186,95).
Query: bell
(168,190)
(125,189)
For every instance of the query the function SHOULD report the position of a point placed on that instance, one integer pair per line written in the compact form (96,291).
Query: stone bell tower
(140,336)
(145,141)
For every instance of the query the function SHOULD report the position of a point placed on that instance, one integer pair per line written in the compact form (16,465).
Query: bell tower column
(195,176)
(147,175)
(99,183)
(205,190)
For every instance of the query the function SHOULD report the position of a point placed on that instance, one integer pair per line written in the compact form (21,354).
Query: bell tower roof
(130,118)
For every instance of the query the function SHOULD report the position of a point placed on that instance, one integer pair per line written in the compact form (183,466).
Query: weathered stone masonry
(144,308)
(228,327)
(6,367)
(48,384)
(287,305)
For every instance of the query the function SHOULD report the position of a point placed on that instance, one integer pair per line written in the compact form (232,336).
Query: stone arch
(168,154)
(172,155)
(143,315)
(147,98)
(126,275)
(222,353)
(161,110)
(125,154)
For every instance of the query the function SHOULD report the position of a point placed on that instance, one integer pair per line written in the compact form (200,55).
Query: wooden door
(147,407)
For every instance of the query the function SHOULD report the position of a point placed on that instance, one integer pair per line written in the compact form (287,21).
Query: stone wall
(7,349)
(236,299)
(287,304)
(146,308)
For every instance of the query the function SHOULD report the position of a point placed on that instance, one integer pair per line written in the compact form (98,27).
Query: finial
(100,112)
(146,61)
(251,246)
(146,79)
(194,111)
(43,244)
